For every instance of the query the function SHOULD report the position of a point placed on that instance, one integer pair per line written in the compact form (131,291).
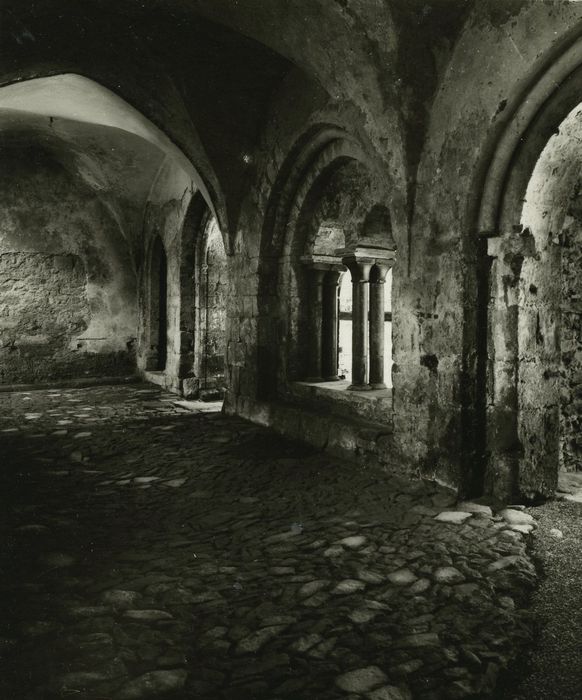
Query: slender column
(315,324)
(330,325)
(360,271)
(377,284)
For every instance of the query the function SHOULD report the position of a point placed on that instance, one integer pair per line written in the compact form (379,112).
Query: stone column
(502,475)
(315,324)
(330,325)
(377,284)
(360,271)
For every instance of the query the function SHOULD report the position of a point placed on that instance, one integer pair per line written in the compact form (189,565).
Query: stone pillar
(315,324)
(377,284)
(330,325)
(503,446)
(360,271)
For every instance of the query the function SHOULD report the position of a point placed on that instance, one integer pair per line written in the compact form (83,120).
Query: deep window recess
(350,323)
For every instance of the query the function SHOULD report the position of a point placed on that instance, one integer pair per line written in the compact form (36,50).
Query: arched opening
(528,215)
(331,252)
(211,312)
(203,292)
(158,307)
(550,308)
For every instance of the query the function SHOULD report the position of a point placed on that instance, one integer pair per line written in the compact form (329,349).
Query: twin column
(368,279)
(323,358)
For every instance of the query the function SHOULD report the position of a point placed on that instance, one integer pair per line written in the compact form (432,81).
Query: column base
(359,387)
(335,378)
(378,385)
(314,380)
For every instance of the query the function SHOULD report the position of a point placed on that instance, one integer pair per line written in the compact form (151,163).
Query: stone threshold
(78,383)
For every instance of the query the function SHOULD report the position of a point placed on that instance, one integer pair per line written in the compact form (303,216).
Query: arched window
(350,324)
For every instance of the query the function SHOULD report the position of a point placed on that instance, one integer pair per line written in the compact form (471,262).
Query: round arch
(551,91)
(517,386)
(318,154)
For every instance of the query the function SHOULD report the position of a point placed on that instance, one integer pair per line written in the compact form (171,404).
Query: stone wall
(67,292)
(571,347)
(43,306)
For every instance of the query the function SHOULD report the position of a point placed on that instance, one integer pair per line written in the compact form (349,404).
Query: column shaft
(377,335)
(360,305)
(315,325)
(330,326)
(377,289)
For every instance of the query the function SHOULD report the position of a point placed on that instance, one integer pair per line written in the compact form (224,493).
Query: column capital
(332,277)
(383,268)
(359,267)
(361,258)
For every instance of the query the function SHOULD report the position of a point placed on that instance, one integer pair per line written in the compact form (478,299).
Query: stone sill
(333,397)
(333,388)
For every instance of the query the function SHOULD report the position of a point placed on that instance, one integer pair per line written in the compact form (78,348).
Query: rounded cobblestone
(170,552)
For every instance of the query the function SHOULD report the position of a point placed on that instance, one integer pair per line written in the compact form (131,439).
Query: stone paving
(551,668)
(156,550)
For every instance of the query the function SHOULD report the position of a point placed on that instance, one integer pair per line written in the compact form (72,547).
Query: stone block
(190,387)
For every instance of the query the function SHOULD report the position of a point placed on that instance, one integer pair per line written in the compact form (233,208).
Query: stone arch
(318,153)
(518,389)
(548,94)
(199,376)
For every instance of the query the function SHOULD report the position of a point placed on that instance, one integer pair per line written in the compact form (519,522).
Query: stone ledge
(374,405)
(341,386)
(349,438)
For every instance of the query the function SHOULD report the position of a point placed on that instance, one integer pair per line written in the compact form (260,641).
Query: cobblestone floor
(152,551)
(552,668)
